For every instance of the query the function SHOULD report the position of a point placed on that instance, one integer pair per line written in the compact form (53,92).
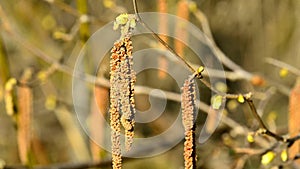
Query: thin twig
(268,95)
(281,64)
(159,38)
(249,151)
(224,59)
(297,157)
(292,140)
(72,11)
(156,36)
(261,123)
(238,70)
(240,162)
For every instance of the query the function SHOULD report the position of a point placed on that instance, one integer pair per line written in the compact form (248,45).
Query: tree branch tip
(261,131)
(198,73)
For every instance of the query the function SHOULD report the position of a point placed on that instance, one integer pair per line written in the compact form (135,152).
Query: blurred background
(40,41)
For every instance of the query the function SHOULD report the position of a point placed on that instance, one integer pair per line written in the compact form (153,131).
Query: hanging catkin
(188,99)
(122,79)
(115,107)
(127,78)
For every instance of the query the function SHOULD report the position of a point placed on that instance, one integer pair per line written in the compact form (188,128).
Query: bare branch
(281,64)
(265,130)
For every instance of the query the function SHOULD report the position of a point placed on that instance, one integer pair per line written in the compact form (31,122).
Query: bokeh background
(44,37)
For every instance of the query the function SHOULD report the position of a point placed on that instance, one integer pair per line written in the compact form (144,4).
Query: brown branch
(240,162)
(249,151)
(292,140)
(264,128)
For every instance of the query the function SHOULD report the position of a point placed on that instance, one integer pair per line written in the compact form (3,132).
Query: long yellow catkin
(114,106)
(122,79)
(8,96)
(127,92)
(188,100)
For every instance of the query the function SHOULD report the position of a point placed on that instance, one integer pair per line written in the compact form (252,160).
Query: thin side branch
(264,128)
(281,64)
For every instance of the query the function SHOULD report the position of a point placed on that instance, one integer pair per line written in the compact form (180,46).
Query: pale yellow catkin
(114,106)
(188,100)
(122,79)
(8,96)
(127,76)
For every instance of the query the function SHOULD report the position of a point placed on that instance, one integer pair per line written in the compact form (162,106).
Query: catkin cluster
(122,79)
(188,99)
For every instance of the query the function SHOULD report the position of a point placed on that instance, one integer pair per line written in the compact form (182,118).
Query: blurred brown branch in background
(24,118)
(180,30)
(162,7)
(294,118)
